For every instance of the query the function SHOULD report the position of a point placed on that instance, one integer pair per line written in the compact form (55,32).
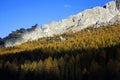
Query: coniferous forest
(90,54)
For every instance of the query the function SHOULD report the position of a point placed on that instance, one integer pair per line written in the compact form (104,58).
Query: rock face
(96,16)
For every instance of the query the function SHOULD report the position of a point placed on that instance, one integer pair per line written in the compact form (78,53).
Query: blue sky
(16,14)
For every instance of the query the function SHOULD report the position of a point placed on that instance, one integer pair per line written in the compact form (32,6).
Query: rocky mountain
(95,17)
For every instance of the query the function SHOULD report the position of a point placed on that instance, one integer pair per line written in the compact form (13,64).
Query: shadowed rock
(118,4)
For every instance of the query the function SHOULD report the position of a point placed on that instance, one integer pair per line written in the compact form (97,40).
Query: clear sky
(16,14)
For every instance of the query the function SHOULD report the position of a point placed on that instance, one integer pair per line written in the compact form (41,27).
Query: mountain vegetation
(97,16)
(90,54)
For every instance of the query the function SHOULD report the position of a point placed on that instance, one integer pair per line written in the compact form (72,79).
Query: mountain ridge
(96,17)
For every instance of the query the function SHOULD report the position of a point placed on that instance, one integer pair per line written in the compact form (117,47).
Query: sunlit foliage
(90,54)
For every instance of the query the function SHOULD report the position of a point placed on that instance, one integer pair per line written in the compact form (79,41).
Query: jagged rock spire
(118,4)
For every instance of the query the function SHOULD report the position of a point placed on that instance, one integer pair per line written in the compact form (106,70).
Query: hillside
(87,38)
(85,46)
(95,17)
(90,54)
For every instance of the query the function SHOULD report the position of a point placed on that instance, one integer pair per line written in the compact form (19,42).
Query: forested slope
(90,54)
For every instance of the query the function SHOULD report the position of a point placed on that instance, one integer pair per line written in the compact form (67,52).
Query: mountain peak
(91,17)
(35,27)
(111,6)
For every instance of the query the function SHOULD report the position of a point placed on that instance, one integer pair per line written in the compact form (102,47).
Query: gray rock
(111,6)
(115,19)
(62,38)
